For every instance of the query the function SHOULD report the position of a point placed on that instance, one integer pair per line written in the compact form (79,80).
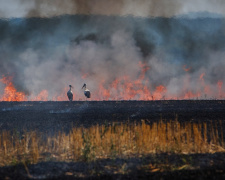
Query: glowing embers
(10,92)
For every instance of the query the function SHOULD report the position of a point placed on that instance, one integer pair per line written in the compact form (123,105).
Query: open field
(112,139)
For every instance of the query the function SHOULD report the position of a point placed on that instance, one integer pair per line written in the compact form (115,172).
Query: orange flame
(42,96)
(202,77)
(144,68)
(186,69)
(122,88)
(10,92)
(220,84)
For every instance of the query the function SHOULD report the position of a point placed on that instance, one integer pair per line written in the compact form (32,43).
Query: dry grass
(110,141)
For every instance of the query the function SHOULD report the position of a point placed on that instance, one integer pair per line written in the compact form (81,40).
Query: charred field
(49,117)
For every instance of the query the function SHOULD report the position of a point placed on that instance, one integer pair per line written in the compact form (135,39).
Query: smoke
(51,53)
(147,8)
(143,8)
(216,7)
(15,8)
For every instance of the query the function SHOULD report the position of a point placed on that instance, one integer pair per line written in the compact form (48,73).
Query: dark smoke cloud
(50,53)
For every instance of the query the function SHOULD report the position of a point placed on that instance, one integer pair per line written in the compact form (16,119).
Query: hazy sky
(45,8)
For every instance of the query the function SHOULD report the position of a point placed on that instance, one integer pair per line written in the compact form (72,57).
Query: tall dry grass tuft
(110,141)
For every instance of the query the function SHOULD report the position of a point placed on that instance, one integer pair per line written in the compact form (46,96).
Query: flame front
(123,88)
(10,92)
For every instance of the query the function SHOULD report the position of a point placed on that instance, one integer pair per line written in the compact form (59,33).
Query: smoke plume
(154,42)
(143,8)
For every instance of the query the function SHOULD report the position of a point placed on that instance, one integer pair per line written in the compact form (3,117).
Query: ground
(199,166)
(50,117)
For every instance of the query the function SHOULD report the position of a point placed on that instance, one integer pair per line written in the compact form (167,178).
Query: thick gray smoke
(51,53)
(143,8)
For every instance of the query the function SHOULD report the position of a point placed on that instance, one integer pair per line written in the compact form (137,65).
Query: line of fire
(123,88)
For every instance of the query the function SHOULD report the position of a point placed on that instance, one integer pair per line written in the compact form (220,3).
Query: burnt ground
(203,166)
(50,117)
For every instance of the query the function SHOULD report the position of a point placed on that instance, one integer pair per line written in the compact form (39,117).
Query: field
(112,139)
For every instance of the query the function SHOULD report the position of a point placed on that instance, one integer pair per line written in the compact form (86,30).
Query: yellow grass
(110,141)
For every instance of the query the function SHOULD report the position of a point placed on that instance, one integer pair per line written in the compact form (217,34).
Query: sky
(144,8)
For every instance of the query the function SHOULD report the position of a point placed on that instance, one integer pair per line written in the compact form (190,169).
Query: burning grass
(111,141)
